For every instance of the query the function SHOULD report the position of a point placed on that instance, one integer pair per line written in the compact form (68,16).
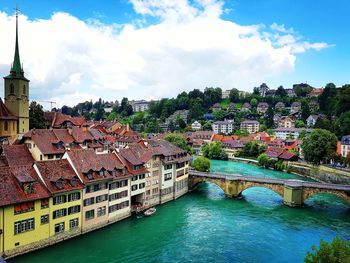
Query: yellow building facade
(23,231)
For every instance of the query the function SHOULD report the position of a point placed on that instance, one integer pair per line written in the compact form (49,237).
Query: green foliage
(219,115)
(301,90)
(281,92)
(152,127)
(300,124)
(201,164)
(337,251)
(241,132)
(214,150)
(305,110)
(267,162)
(112,116)
(326,98)
(343,102)
(320,146)
(253,102)
(263,160)
(269,117)
(253,149)
(234,95)
(179,141)
(343,124)
(36,116)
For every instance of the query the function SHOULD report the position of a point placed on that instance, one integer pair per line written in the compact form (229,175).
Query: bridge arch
(341,195)
(278,189)
(217,182)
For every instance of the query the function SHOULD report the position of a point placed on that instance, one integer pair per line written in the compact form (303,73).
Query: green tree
(281,92)
(201,164)
(320,146)
(343,101)
(326,98)
(269,118)
(253,102)
(343,124)
(263,160)
(337,251)
(253,149)
(299,124)
(179,141)
(36,116)
(234,95)
(305,110)
(152,127)
(112,116)
(214,150)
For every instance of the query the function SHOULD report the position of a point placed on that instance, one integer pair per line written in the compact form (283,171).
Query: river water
(204,226)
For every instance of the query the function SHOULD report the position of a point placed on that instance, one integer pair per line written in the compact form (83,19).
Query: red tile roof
(287,156)
(45,140)
(11,185)
(59,176)
(63,135)
(274,152)
(17,155)
(86,161)
(81,135)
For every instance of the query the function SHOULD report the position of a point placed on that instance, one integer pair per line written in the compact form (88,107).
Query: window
(73,209)
(123,183)
(101,198)
(167,176)
(44,219)
(155,190)
(50,156)
(116,207)
(59,213)
(168,167)
(73,197)
(73,223)
(102,173)
(59,199)
(6,126)
(89,214)
(24,207)
(141,176)
(59,228)
(24,226)
(101,211)
(28,188)
(12,89)
(89,201)
(142,185)
(44,203)
(155,173)
(134,187)
(114,185)
(24,89)
(134,178)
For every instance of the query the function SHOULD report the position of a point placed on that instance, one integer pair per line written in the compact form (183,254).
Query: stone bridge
(293,192)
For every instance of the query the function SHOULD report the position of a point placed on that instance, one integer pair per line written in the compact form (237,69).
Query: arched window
(12,89)
(24,89)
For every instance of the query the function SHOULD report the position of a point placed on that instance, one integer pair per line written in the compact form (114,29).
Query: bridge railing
(237,177)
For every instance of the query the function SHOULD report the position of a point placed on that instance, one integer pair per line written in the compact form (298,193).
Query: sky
(73,51)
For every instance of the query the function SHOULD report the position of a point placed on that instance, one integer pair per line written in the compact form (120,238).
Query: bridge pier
(293,194)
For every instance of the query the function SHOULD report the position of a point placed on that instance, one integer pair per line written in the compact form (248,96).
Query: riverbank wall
(320,173)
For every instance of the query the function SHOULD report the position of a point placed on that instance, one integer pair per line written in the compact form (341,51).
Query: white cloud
(69,60)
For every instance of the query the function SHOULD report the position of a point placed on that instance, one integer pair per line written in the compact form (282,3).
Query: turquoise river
(204,226)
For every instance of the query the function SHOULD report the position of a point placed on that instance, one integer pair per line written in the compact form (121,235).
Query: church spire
(16,69)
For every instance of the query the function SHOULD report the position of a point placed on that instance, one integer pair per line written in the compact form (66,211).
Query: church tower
(17,90)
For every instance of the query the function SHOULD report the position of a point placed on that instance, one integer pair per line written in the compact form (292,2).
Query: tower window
(6,126)
(12,88)
(24,89)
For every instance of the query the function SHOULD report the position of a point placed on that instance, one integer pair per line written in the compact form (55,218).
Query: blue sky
(320,21)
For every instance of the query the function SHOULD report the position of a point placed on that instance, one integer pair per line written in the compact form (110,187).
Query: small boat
(150,211)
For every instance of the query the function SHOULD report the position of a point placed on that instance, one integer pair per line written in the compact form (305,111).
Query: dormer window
(124,171)
(74,181)
(102,172)
(28,188)
(114,172)
(59,184)
(89,175)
